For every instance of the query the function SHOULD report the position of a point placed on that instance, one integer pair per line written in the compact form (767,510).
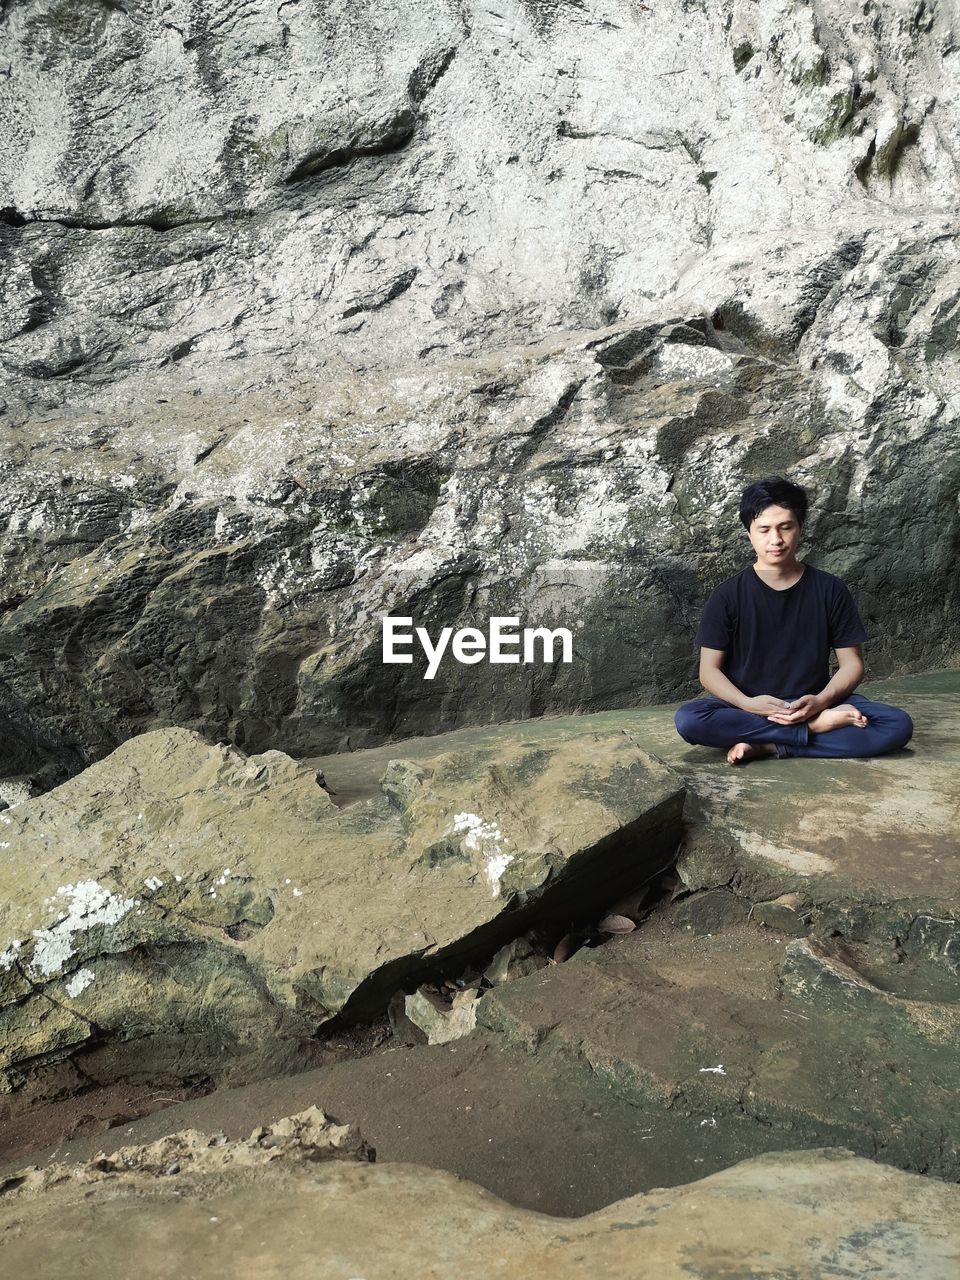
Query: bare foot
(834,717)
(744,752)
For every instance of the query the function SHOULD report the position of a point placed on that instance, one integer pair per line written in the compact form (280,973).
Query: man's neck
(779,576)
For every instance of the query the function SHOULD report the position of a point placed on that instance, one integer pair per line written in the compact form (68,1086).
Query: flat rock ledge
(802,989)
(180,909)
(279,1205)
(868,850)
(746,1042)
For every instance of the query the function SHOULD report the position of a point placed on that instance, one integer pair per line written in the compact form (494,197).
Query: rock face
(314,313)
(806,1214)
(181,909)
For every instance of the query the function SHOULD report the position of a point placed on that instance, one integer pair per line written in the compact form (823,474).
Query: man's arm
(848,675)
(715,682)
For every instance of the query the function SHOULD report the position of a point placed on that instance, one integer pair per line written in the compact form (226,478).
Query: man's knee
(901,728)
(893,723)
(687,721)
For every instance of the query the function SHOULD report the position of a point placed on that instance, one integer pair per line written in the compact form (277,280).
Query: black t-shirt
(779,642)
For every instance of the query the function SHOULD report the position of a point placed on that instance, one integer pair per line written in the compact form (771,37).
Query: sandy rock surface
(809,947)
(810,1214)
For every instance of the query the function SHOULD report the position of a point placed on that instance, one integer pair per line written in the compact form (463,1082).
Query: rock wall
(317,311)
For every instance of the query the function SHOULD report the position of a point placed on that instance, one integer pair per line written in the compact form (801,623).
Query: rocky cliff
(315,311)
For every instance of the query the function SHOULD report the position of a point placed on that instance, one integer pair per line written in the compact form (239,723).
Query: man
(765,639)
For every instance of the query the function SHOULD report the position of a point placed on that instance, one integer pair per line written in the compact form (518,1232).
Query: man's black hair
(772,492)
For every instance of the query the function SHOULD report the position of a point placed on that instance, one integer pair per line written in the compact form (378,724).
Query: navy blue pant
(710,722)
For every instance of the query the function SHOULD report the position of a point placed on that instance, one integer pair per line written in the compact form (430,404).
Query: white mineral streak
(494,870)
(140,517)
(14,792)
(480,836)
(78,982)
(8,957)
(475,831)
(91,906)
(153,882)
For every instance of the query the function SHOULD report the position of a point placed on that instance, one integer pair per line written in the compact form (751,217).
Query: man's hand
(766,705)
(798,711)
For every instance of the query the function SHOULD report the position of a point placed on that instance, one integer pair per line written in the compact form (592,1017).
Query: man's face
(775,536)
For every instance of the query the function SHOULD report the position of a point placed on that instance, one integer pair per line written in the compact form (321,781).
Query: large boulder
(181,910)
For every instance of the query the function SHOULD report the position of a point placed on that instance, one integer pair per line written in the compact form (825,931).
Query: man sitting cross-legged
(765,639)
